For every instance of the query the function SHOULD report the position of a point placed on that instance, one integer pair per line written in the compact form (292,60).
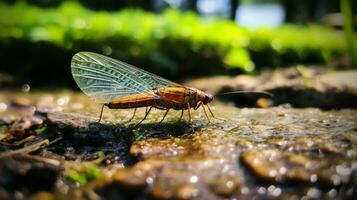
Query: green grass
(166,44)
(348,28)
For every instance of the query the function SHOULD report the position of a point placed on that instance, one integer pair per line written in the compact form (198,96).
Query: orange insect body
(132,101)
(177,98)
(116,84)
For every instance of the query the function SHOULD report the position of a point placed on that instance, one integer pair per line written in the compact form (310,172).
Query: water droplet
(273,173)
(262,190)
(271,188)
(3,106)
(244,190)
(193,179)
(25,88)
(149,180)
(63,100)
(276,192)
(313,178)
(313,193)
(282,170)
(230,184)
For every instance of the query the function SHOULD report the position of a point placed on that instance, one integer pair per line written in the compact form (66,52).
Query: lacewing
(118,85)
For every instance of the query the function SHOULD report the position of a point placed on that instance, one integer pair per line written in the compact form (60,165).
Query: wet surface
(275,153)
(299,86)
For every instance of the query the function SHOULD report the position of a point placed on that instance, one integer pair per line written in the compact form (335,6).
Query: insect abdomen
(133,101)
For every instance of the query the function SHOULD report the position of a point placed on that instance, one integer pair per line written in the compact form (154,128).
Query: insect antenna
(246,92)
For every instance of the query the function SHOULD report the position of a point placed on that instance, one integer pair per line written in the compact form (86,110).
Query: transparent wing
(104,78)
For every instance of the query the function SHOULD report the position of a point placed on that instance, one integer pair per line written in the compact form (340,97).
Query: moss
(85,176)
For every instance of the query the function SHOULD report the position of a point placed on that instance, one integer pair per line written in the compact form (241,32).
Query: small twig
(27,139)
(48,161)
(28,149)
(4,136)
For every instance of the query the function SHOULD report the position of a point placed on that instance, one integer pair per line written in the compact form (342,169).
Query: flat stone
(271,153)
(300,87)
(275,146)
(276,167)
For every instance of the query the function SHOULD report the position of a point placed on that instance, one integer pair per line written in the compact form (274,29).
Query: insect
(118,85)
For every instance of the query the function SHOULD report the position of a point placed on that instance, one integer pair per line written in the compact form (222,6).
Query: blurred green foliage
(39,39)
(84,176)
(295,45)
(348,27)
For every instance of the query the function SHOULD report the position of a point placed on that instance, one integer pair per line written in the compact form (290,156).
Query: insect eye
(207,98)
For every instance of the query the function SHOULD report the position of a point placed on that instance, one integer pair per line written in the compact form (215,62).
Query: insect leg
(132,117)
(101,113)
(209,109)
(189,114)
(167,111)
(204,109)
(181,115)
(198,105)
(146,114)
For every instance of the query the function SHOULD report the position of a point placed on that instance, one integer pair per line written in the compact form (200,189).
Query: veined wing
(104,78)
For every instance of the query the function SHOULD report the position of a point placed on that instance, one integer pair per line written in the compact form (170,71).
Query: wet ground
(52,147)
(59,150)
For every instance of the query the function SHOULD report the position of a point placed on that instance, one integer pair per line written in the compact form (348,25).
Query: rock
(300,87)
(339,80)
(272,153)
(157,147)
(15,130)
(277,167)
(28,174)
(278,146)
(84,136)
(22,102)
(25,123)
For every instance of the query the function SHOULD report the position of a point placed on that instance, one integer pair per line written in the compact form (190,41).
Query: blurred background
(177,39)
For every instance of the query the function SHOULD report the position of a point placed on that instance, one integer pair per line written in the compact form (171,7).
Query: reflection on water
(266,15)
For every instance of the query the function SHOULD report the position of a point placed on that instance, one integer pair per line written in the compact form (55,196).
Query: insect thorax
(176,98)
